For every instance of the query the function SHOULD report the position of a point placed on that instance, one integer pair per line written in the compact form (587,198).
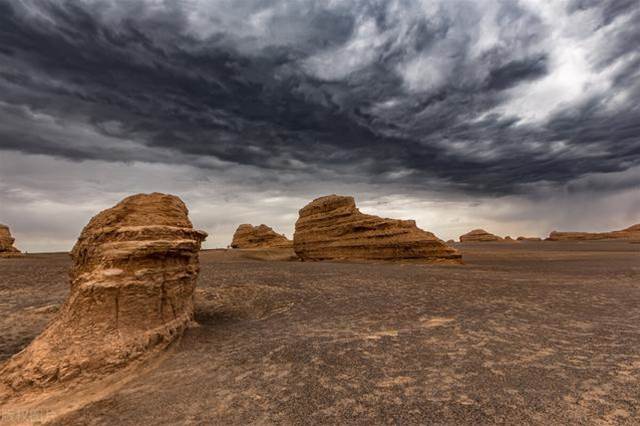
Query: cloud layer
(455,98)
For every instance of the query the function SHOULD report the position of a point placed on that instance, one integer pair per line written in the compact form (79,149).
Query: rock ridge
(332,228)
(262,236)
(479,236)
(630,233)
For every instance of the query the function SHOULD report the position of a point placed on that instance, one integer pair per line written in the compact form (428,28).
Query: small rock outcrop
(631,233)
(262,236)
(6,242)
(332,228)
(479,236)
(132,285)
(529,239)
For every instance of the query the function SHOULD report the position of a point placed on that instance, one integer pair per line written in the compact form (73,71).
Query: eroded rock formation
(479,236)
(630,233)
(6,242)
(262,236)
(529,239)
(332,228)
(132,285)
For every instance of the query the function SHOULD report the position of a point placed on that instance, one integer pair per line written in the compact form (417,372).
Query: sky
(516,116)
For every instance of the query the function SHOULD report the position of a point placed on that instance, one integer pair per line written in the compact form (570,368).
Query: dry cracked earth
(528,333)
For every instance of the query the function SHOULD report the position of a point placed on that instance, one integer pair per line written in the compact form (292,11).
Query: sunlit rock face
(132,287)
(332,228)
(6,242)
(630,233)
(479,236)
(261,236)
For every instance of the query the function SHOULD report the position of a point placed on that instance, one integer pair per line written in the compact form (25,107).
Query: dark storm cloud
(515,72)
(385,94)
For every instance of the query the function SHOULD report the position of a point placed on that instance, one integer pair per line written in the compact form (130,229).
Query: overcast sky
(517,116)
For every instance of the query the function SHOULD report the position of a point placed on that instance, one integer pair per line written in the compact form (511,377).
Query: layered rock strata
(261,236)
(479,236)
(132,286)
(630,233)
(6,242)
(332,228)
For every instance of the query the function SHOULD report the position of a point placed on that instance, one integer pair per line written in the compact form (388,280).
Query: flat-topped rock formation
(132,286)
(630,233)
(332,228)
(6,242)
(479,236)
(529,239)
(262,236)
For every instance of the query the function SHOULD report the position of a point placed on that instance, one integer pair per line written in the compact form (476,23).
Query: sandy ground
(523,333)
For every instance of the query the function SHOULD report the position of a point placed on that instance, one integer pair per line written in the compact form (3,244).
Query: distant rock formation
(508,239)
(529,239)
(630,233)
(450,242)
(332,228)
(479,236)
(132,285)
(6,242)
(262,236)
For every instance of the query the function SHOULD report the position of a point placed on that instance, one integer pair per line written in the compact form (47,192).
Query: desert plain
(521,333)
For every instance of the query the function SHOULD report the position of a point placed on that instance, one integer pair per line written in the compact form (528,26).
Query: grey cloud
(154,85)
(516,71)
(608,10)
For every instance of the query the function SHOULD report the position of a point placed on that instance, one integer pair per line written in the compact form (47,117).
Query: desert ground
(522,333)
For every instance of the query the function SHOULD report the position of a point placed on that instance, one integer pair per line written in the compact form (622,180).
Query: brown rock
(252,237)
(332,228)
(508,238)
(132,284)
(6,242)
(529,239)
(478,236)
(630,233)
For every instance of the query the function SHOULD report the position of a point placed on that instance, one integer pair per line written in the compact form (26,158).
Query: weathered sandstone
(630,233)
(131,292)
(332,228)
(479,236)
(6,242)
(262,236)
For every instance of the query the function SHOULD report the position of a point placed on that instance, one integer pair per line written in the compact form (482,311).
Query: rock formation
(630,233)
(479,236)
(509,239)
(251,237)
(529,239)
(131,292)
(332,228)
(6,242)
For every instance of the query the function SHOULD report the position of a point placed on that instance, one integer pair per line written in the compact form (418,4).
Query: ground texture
(523,333)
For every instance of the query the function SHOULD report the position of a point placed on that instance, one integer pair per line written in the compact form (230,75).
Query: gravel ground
(523,333)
